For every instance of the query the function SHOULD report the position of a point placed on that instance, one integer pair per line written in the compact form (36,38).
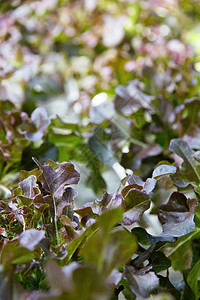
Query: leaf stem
(55,221)
(54,201)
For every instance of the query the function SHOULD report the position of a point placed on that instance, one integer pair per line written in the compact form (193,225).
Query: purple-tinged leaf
(141,283)
(70,194)
(162,170)
(93,209)
(61,207)
(149,185)
(192,137)
(116,201)
(102,112)
(136,203)
(67,231)
(177,215)
(28,185)
(114,278)
(67,202)
(129,99)
(180,178)
(3,155)
(15,210)
(105,199)
(134,179)
(149,152)
(41,121)
(86,211)
(126,190)
(61,278)
(30,238)
(147,239)
(182,149)
(54,181)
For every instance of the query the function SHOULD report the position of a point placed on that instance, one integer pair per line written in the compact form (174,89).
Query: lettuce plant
(49,245)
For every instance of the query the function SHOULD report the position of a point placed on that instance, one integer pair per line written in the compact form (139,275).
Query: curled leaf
(28,185)
(54,181)
(177,215)
(136,203)
(182,149)
(141,283)
(164,170)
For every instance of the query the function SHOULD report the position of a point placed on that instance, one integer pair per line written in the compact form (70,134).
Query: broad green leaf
(110,218)
(109,249)
(180,253)
(141,235)
(76,279)
(13,254)
(93,248)
(98,143)
(77,242)
(127,292)
(193,278)
(90,284)
(54,272)
(120,247)
(160,261)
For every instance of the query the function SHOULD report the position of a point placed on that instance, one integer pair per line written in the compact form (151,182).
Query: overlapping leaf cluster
(49,245)
(124,81)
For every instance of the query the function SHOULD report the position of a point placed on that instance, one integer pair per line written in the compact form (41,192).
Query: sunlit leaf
(163,170)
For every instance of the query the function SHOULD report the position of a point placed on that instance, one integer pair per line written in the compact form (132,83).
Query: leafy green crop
(99,150)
